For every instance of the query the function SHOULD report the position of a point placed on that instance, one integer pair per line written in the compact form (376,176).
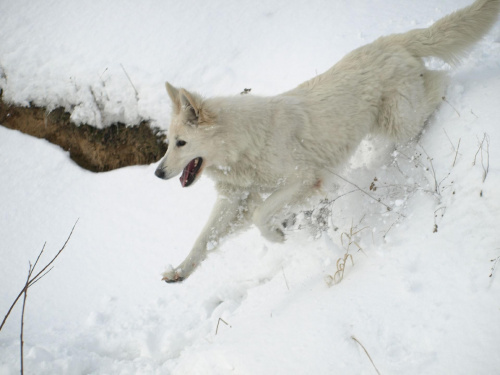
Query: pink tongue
(185,173)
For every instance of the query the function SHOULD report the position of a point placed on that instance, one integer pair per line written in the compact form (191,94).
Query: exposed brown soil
(94,149)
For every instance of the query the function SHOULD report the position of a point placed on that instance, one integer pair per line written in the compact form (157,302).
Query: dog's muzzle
(160,173)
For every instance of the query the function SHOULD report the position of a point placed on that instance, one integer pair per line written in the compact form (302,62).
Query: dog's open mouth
(190,171)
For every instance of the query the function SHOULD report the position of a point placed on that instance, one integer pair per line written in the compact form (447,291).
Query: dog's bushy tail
(451,36)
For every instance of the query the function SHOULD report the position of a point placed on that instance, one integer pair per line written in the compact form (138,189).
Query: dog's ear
(174,97)
(192,103)
(197,113)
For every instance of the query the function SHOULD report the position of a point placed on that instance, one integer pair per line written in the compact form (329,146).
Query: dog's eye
(180,143)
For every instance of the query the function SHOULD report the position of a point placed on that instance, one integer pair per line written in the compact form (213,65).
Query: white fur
(282,146)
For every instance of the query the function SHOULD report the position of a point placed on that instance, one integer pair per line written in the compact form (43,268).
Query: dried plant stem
(366,351)
(284,276)
(389,208)
(128,77)
(218,322)
(338,276)
(433,171)
(484,164)
(456,153)
(486,167)
(446,101)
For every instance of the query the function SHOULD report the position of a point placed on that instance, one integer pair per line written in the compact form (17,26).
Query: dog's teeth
(195,162)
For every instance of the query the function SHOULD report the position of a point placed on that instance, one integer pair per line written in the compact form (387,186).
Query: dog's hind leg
(230,213)
(405,109)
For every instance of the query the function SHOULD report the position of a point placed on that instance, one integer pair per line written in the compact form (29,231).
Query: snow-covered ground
(418,295)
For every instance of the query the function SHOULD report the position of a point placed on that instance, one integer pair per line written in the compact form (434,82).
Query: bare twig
(22,313)
(33,279)
(449,140)
(38,278)
(453,146)
(366,351)
(223,321)
(99,107)
(446,101)
(284,276)
(128,77)
(486,167)
(433,171)
(456,153)
(388,230)
(389,208)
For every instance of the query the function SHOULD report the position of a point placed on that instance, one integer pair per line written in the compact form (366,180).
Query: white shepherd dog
(281,147)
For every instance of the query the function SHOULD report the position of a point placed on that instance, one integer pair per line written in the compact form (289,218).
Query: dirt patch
(97,150)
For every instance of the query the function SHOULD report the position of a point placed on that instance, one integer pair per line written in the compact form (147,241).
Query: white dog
(281,146)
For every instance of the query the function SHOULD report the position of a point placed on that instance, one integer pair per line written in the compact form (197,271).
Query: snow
(418,295)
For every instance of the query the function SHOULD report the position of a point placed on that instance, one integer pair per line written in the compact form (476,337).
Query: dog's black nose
(160,173)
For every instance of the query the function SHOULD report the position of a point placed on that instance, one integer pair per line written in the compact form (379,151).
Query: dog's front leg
(229,214)
(266,216)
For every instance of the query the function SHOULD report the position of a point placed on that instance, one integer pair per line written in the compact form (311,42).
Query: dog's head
(190,134)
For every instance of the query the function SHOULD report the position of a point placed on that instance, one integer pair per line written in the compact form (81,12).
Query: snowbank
(417,296)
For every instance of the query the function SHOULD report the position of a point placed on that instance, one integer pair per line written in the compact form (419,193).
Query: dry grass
(347,240)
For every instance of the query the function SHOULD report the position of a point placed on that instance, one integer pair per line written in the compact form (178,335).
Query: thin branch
(446,101)
(456,153)
(223,321)
(388,230)
(38,279)
(389,208)
(436,185)
(449,140)
(32,280)
(366,351)
(128,77)
(486,167)
(55,257)
(22,313)
(284,276)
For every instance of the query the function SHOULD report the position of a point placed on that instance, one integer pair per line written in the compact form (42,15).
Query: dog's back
(384,86)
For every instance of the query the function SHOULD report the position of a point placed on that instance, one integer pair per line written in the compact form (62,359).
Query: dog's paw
(273,234)
(289,221)
(172,276)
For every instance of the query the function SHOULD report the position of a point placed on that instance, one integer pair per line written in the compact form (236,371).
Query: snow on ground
(418,296)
